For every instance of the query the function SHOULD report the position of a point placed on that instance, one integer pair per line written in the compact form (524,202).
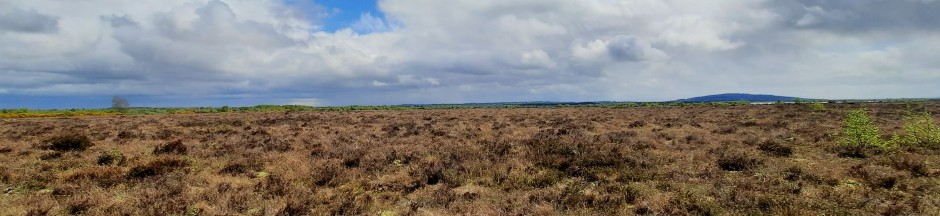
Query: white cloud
(371,24)
(537,59)
(692,30)
(464,51)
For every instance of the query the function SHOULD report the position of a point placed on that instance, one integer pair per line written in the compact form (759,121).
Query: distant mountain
(738,97)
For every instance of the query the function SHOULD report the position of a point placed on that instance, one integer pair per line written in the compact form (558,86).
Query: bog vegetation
(120,106)
(706,159)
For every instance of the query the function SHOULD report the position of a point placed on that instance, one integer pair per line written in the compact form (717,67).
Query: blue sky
(344,13)
(172,53)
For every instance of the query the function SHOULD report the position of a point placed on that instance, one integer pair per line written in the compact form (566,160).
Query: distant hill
(738,97)
(527,103)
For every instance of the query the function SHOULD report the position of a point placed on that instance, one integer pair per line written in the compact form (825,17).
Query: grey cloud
(118,21)
(158,52)
(407,80)
(472,62)
(217,24)
(17,20)
(860,15)
(30,79)
(625,48)
(199,52)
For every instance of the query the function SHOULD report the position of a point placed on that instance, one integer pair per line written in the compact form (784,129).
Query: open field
(742,159)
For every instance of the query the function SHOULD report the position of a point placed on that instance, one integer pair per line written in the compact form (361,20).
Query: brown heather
(701,160)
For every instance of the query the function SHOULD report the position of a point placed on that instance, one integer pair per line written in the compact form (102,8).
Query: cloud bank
(431,51)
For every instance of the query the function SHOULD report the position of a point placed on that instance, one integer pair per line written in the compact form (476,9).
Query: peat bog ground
(747,159)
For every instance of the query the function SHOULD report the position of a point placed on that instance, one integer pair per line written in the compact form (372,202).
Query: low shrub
(635,191)
(79,205)
(39,209)
(68,142)
(266,141)
(127,135)
(175,147)
(878,176)
(637,124)
(109,158)
(245,166)
(5,175)
(776,149)
(294,207)
(273,186)
(796,173)
(739,161)
(155,167)
(914,163)
(50,155)
(67,189)
(104,176)
(688,203)
(726,130)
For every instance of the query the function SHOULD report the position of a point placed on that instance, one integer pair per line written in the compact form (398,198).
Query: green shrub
(860,134)
(919,131)
(817,107)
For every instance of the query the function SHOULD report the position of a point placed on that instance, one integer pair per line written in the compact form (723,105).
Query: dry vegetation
(760,159)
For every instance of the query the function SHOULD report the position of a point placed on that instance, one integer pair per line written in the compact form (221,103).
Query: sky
(173,53)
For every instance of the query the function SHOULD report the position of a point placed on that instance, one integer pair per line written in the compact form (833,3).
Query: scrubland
(779,159)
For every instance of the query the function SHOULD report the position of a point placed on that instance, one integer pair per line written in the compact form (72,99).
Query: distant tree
(120,104)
